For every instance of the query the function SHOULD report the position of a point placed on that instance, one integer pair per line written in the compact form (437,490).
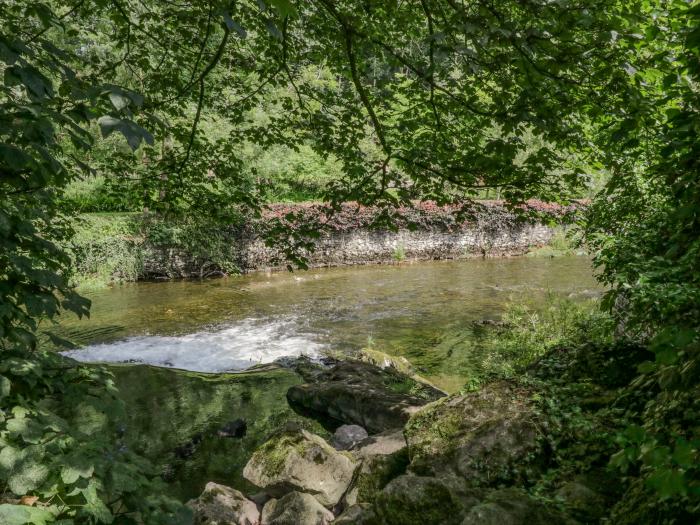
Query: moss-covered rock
(295,508)
(514,507)
(582,501)
(383,457)
(480,436)
(221,505)
(295,459)
(419,500)
(359,393)
(360,514)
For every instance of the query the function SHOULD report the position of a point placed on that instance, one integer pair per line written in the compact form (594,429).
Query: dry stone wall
(350,236)
(383,247)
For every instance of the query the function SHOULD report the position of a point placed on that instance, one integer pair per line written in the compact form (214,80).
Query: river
(189,334)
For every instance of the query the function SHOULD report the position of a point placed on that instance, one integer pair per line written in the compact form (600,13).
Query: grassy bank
(110,248)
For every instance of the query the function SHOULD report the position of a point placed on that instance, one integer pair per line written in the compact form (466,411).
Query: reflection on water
(229,324)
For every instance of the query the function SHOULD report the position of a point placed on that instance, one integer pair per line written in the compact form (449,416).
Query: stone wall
(361,246)
(382,247)
(352,235)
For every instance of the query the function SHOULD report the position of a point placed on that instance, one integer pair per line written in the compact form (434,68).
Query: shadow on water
(202,427)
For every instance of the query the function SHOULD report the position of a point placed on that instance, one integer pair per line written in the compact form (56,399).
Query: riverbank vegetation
(183,110)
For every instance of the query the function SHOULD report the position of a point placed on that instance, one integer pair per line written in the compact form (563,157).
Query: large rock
(361,514)
(221,505)
(582,501)
(479,437)
(295,459)
(295,508)
(513,507)
(347,436)
(383,457)
(359,393)
(418,500)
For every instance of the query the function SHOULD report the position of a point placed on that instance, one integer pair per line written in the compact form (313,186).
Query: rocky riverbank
(404,453)
(133,247)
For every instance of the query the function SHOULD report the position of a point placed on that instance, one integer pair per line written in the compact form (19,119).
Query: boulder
(361,514)
(582,501)
(480,437)
(221,505)
(419,500)
(295,459)
(383,457)
(347,436)
(295,508)
(354,392)
(514,507)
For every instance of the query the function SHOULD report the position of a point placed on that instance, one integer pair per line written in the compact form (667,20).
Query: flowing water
(190,333)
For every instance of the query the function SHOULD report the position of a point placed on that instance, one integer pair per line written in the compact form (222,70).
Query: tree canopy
(419,99)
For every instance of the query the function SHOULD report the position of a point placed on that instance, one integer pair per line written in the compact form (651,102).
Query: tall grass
(528,331)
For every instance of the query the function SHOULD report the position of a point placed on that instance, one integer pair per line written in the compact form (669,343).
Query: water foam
(236,347)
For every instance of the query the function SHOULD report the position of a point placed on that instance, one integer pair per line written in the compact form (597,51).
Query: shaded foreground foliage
(424,99)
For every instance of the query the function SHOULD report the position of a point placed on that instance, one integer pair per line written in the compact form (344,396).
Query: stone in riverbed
(359,393)
(221,505)
(479,437)
(347,436)
(295,508)
(296,460)
(233,429)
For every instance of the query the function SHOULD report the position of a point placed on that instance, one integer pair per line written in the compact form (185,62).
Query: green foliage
(523,98)
(106,249)
(399,253)
(528,332)
(562,243)
(60,440)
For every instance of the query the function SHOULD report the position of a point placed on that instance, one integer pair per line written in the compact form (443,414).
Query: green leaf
(668,482)
(14,158)
(283,7)
(23,515)
(76,468)
(133,133)
(28,477)
(28,429)
(5,386)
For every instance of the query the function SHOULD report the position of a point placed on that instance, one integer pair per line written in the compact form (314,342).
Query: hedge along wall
(355,234)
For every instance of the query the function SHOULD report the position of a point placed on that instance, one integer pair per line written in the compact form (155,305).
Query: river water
(403,310)
(172,344)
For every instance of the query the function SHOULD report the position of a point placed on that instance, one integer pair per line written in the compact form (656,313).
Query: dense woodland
(212,109)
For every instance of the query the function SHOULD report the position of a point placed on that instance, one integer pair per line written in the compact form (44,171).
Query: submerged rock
(233,429)
(295,459)
(359,393)
(295,508)
(479,437)
(188,449)
(347,436)
(514,507)
(221,505)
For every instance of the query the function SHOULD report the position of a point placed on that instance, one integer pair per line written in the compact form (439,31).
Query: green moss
(428,502)
(273,454)
(373,477)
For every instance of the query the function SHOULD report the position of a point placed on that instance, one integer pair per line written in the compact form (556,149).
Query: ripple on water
(234,347)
